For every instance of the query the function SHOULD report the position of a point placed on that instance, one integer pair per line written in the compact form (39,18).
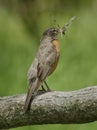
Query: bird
(45,61)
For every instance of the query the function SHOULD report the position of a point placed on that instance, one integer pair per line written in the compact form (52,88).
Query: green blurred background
(22,23)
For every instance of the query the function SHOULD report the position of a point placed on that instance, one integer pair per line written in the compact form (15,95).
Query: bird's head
(51,32)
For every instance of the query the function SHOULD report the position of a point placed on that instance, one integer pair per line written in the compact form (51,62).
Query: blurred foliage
(22,23)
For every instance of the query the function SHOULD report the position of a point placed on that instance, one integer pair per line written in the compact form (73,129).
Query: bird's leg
(47,86)
(43,88)
(48,89)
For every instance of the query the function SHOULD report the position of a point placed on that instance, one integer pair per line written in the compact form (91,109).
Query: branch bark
(53,107)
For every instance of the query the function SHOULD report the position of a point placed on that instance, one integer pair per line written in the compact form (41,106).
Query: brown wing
(48,60)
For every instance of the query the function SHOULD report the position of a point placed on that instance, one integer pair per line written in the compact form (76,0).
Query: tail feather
(33,86)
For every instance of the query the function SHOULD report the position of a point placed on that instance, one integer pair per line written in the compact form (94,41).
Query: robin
(45,62)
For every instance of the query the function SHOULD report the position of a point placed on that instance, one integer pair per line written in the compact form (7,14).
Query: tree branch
(53,107)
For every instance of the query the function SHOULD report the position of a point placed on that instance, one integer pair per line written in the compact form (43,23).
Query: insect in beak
(63,29)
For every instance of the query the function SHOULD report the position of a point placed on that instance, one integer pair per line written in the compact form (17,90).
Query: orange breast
(56,44)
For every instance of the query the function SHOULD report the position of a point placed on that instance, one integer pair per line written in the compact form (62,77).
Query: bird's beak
(61,31)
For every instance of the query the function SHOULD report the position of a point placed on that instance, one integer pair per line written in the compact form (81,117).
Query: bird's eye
(54,31)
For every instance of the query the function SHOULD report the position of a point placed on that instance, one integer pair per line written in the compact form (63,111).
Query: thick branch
(54,107)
